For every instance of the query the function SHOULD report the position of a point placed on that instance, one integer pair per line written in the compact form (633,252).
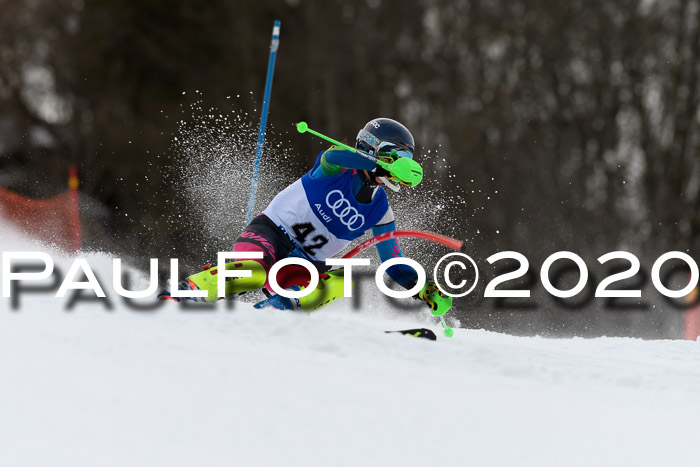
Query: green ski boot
(438,302)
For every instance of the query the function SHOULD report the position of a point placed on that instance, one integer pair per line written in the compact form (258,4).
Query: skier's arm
(406,276)
(337,159)
(402,274)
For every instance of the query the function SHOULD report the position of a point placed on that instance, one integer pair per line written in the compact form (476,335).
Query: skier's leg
(290,276)
(261,235)
(209,279)
(330,287)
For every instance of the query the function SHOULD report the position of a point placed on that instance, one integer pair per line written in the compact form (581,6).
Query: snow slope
(245,387)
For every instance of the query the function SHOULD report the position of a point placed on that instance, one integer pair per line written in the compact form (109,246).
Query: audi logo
(344,211)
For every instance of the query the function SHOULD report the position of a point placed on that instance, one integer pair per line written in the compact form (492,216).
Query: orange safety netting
(53,220)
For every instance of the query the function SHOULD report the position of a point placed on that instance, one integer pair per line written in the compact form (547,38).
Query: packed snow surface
(245,387)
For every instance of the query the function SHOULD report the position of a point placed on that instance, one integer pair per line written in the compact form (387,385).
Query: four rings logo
(341,207)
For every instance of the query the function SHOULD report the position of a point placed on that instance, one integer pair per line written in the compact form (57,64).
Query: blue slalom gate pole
(263,119)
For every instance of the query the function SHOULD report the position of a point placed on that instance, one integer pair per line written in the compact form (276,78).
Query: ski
(421,332)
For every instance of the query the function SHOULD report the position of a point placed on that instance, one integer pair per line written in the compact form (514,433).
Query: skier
(318,215)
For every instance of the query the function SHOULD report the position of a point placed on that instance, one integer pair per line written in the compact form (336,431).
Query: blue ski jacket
(337,160)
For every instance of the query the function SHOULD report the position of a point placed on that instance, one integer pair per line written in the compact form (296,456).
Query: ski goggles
(389,152)
(384,148)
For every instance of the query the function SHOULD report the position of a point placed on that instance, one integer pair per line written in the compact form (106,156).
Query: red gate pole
(457,245)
